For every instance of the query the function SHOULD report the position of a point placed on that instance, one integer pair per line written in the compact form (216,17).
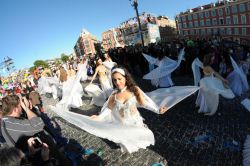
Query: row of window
(220,31)
(214,12)
(213,22)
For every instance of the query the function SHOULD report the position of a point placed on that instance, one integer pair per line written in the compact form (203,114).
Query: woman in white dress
(100,95)
(211,86)
(119,120)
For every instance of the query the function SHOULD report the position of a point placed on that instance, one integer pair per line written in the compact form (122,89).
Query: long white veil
(196,65)
(166,68)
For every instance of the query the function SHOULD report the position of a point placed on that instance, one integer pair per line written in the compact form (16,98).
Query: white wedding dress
(72,88)
(161,76)
(100,95)
(124,124)
(237,79)
(208,97)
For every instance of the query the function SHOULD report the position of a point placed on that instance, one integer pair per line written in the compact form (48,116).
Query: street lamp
(134,3)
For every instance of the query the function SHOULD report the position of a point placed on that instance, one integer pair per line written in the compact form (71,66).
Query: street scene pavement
(182,135)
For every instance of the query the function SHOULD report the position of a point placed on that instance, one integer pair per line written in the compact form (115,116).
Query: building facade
(227,19)
(85,44)
(112,38)
(167,28)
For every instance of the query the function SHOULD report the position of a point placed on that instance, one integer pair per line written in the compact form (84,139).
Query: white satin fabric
(208,97)
(246,103)
(124,124)
(237,79)
(72,88)
(45,85)
(246,152)
(161,76)
(196,65)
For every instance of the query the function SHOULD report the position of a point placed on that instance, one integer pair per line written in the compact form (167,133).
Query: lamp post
(134,3)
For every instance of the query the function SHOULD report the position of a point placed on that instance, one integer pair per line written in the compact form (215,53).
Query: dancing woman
(211,86)
(101,70)
(99,96)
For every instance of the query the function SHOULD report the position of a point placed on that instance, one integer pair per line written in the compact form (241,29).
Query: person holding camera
(39,153)
(16,130)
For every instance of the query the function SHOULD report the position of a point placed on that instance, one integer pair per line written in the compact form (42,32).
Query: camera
(38,143)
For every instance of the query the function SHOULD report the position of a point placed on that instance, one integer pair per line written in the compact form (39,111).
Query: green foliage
(32,69)
(64,57)
(41,63)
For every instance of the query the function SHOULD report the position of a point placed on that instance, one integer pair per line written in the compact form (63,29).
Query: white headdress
(119,70)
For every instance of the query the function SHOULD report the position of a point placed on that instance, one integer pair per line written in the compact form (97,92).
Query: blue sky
(43,29)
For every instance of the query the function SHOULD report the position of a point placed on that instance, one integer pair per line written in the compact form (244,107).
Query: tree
(32,69)
(64,57)
(41,63)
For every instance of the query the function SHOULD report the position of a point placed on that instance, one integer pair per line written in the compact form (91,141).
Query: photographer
(39,152)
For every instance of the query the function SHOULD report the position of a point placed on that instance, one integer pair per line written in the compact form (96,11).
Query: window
(244,31)
(215,31)
(180,26)
(203,31)
(185,32)
(248,5)
(202,23)
(213,13)
(183,18)
(236,31)
(235,19)
(184,25)
(197,31)
(207,14)
(234,9)
(196,24)
(208,22)
(192,32)
(227,10)
(220,12)
(189,17)
(222,31)
(243,19)
(242,7)
(190,24)
(229,31)
(214,21)
(201,15)
(221,22)
(228,20)
(194,16)
(209,31)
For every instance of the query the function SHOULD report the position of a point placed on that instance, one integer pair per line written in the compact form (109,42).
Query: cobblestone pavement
(183,136)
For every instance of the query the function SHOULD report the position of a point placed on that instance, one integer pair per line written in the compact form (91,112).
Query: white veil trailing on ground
(109,127)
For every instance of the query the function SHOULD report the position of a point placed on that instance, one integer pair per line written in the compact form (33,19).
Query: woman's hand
(225,83)
(95,117)
(163,110)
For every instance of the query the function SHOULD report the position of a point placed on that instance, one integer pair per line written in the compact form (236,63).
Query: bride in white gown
(98,95)
(72,88)
(211,86)
(119,120)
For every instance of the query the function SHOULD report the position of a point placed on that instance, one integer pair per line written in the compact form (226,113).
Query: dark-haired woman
(211,86)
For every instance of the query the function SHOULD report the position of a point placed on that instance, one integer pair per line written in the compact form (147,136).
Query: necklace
(122,90)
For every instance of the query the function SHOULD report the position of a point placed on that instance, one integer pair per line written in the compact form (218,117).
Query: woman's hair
(130,83)
(207,59)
